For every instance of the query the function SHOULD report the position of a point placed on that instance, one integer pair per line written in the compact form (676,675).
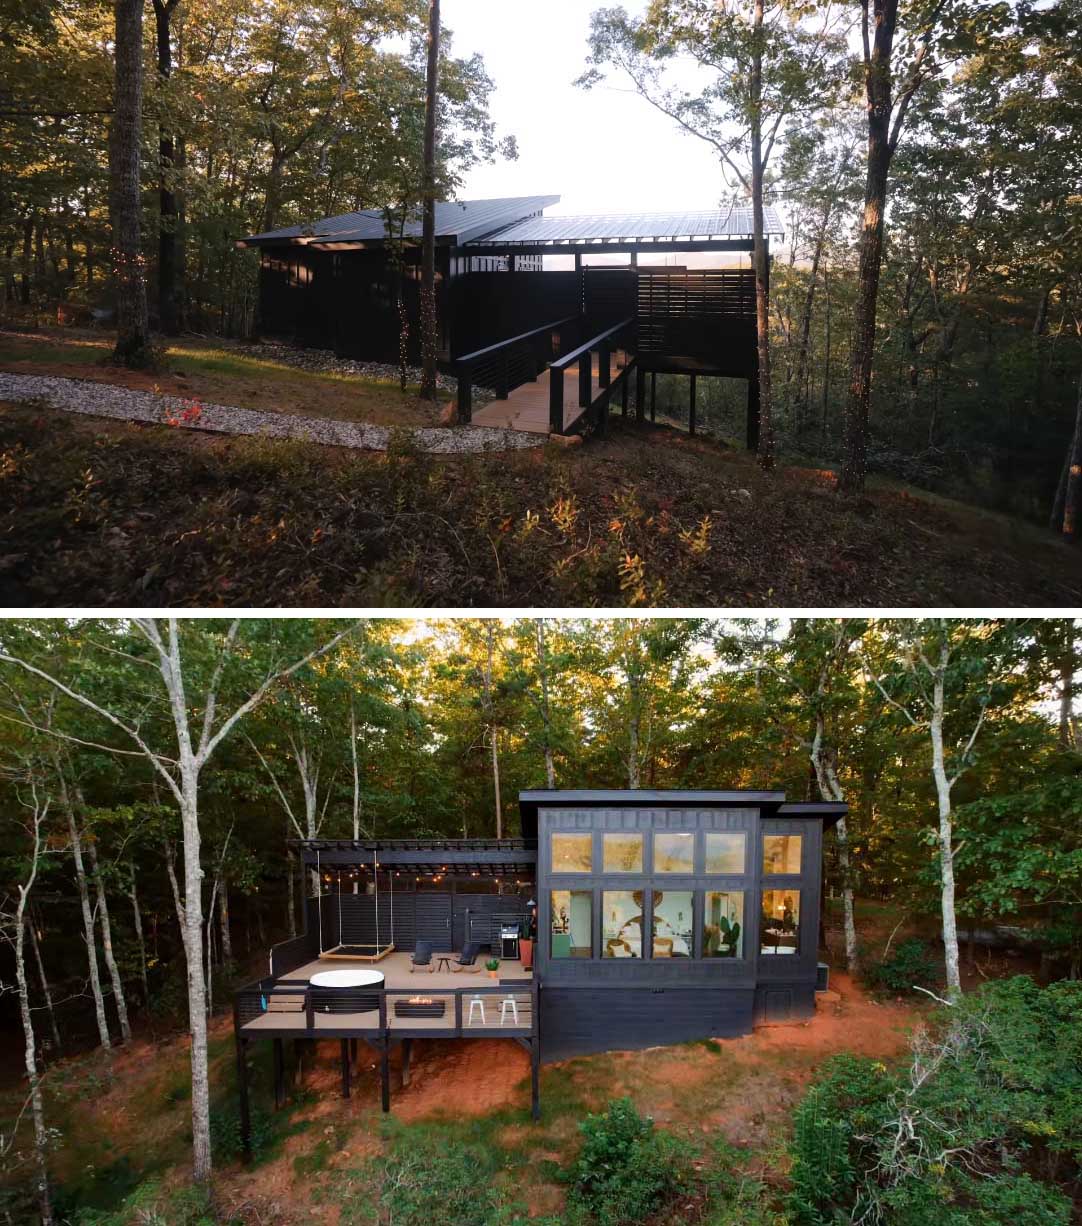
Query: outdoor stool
(508,1001)
(476,1003)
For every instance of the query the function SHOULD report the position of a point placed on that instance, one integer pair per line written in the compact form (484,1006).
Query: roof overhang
(427,857)
(826,811)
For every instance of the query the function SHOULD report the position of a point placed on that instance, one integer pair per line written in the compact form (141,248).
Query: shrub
(626,1169)
(910,965)
(991,1099)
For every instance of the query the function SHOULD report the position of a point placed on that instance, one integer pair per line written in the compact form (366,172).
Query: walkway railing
(509,363)
(595,409)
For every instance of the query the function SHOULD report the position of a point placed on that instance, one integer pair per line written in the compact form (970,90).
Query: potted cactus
(493,967)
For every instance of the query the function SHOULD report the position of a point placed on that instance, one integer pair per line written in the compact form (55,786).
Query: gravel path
(128,404)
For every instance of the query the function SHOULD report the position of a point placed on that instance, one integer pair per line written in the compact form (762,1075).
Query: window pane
(572,853)
(621,923)
(672,924)
(725,851)
(674,853)
(622,853)
(572,923)
(723,924)
(781,853)
(779,928)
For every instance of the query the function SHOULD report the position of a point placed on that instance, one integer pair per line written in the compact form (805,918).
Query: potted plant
(526,940)
(493,967)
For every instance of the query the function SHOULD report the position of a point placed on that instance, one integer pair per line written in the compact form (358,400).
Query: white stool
(476,1003)
(508,1002)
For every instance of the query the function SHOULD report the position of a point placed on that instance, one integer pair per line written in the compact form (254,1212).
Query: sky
(603,150)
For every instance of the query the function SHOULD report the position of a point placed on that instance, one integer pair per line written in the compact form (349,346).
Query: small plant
(910,965)
(493,964)
(188,416)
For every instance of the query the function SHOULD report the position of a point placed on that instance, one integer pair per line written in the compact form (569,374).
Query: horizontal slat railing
(594,408)
(508,363)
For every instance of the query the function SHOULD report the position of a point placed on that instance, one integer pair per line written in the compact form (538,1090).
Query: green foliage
(225,1133)
(627,1169)
(149,1205)
(983,1126)
(910,964)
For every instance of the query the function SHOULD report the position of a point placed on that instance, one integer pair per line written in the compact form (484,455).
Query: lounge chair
(467,957)
(421,956)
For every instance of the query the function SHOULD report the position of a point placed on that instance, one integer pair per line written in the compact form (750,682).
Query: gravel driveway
(128,404)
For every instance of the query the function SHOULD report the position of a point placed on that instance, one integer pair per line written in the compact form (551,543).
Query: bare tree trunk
(760,256)
(493,737)
(168,215)
(84,902)
(37,1105)
(429,323)
(356,780)
(223,921)
(830,788)
(125,136)
(633,749)
(546,717)
(877,84)
(107,944)
(1072,485)
(291,906)
(46,989)
(137,918)
(946,833)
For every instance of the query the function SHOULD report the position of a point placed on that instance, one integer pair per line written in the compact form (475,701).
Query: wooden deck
(527,407)
(395,969)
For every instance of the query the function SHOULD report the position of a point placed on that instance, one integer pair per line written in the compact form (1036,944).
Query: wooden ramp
(527,407)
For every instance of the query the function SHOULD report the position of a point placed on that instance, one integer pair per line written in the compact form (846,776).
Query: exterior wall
(596,1003)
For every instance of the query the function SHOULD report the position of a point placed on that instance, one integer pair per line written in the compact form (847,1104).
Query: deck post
(556,400)
(345,1068)
(753,412)
(242,1094)
(465,398)
(535,1078)
(691,408)
(385,1074)
(623,392)
(604,368)
(640,394)
(585,372)
(279,1075)
(407,1045)
(653,395)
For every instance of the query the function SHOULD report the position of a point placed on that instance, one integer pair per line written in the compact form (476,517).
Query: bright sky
(603,150)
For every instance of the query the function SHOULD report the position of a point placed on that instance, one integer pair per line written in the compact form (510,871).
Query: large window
(781,853)
(621,923)
(779,928)
(725,851)
(622,852)
(572,923)
(674,853)
(572,853)
(672,924)
(723,924)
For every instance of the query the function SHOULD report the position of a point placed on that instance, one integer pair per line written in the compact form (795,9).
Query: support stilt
(345,1068)
(691,407)
(407,1045)
(279,1073)
(653,395)
(535,1078)
(640,394)
(385,1076)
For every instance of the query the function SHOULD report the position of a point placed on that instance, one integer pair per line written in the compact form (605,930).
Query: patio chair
(421,956)
(468,956)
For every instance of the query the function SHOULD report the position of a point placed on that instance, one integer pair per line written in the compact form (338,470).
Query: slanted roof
(457,222)
(614,228)
(486,857)
(529,802)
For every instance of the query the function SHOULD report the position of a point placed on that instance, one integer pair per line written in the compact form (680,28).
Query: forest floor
(124,1120)
(98,512)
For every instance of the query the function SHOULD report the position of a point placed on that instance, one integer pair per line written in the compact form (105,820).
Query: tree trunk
(192,931)
(168,290)
(356,780)
(546,718)
(760,254)
(805,326)
(830,789)
(88,918)
(291,906)
(137,917)
(946,832)
(1072,488)
(107,944)
(28,248)
(429,323)
(125,134)
(223,921)
(493,738)
(46,989)
(877,85)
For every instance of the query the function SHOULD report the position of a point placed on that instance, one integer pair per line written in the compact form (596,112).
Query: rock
(744,494)
(566,440)
(449,414)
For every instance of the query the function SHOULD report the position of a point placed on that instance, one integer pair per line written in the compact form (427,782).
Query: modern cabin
(618,920)
(509,324)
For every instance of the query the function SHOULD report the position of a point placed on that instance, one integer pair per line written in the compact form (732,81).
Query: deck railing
(595,409)
(509,363)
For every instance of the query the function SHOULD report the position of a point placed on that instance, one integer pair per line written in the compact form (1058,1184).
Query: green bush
(626,1169)
(991,1099)
(911,964)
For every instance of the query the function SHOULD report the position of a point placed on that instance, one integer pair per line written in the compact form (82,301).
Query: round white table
(343,998)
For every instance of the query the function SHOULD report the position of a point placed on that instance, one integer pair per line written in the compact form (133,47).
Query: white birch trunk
(107,944)
(46,988)
(137,919)
(830,788)
(356,782)
(546,718)
(946,832)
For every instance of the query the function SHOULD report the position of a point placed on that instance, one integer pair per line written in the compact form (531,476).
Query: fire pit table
(420,1006)
(343,991)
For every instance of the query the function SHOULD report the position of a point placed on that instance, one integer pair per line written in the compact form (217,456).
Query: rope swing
(319,903)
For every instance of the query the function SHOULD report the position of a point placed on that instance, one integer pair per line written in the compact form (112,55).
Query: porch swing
(358,953)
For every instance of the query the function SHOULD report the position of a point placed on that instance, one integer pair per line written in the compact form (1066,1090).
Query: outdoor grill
(509,941)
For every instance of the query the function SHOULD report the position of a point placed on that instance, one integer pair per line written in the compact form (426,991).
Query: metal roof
(615,227)
(458,221)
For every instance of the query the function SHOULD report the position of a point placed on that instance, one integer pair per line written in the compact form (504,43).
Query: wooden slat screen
(694,311)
